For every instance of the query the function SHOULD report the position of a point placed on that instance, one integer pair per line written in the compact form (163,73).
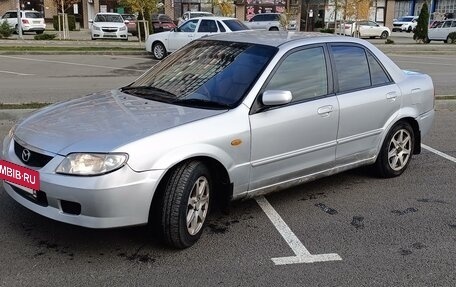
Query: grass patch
(31,105)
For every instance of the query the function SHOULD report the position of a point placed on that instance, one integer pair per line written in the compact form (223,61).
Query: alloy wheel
(198,204)
(400,149)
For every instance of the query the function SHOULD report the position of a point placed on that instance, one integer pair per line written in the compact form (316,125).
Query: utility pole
(19,20)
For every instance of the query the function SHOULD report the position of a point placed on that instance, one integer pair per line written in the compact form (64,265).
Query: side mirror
(276,98)
(126,22)
(91,21)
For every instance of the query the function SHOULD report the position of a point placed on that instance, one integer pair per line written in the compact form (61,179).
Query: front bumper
(100,34)
(120,198)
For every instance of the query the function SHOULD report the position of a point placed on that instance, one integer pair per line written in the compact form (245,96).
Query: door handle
(391,96)
(325,111)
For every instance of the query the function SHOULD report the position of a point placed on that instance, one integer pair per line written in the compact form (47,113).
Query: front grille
(109,30)
(35,159)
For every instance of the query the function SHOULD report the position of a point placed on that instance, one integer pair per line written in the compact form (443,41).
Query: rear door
(368,100)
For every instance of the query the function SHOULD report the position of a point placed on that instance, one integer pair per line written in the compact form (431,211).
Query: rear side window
(357,69)
(33,15)
(220,26)
(207,26)
(235,25)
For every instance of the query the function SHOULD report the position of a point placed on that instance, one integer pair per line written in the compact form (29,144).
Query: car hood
(109,24)
(101,122)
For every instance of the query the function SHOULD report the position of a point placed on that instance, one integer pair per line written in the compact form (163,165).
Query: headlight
(123,28)
(96,28)
(91,163)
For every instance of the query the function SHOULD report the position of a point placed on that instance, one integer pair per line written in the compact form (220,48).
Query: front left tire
(384,35)
(159,51)
(185,204)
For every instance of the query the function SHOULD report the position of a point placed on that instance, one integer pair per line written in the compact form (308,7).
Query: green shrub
(71,23)
(45,36)
(328,30)
(452,37)
(420,34)
(5,30)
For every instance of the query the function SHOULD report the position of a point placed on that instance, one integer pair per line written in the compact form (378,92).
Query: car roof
(275,38)
(213,18)
(107,13)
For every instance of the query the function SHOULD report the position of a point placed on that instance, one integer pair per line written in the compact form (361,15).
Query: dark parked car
(162,22)
(131,18)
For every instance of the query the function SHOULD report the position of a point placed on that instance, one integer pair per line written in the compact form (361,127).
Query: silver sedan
(227,117)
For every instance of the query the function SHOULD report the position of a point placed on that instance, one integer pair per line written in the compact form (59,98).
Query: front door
(298,138)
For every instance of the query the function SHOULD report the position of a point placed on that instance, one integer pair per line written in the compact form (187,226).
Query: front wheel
(185,207)
(396,151)
(384,35)
(159,51)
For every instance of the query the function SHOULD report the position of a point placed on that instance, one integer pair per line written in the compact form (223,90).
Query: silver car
(227,117)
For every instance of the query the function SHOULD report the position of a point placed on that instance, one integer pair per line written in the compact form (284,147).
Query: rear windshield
(235,25)
(129,17)
(33,15)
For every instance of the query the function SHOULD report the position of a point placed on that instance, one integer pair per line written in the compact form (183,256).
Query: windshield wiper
(200,103)
(149,93)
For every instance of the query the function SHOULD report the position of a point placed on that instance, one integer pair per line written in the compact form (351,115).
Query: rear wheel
(448,40)
(396,151)
(159,51)
(186,199)
(384,35)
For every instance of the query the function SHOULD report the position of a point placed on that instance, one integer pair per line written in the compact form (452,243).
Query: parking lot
(368,231)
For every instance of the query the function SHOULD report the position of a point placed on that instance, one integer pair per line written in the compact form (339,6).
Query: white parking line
(302,254)
(444,155)
(14,73)
(70,63)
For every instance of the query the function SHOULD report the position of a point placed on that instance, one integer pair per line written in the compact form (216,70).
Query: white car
(405,23)
(267,21)
(32,21)
(193,14)
(362,29)
(442,31)
(109,26)
(160,44)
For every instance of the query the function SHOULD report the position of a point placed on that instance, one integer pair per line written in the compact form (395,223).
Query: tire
(426,40)
(39,32)
(186,202)
(273,29)
(159,51)
(384,35)
(409,29)
(396,151)
(448,40)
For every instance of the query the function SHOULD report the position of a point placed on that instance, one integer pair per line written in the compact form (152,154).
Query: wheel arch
(416,132)
(220,178)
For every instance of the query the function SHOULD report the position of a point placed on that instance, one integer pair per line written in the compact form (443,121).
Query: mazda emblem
(26,155)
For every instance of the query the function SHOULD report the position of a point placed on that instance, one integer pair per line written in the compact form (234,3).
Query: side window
(207,26)
(378,75)
(454,24)
(447,24)
(220,26)
(303,73)
(351,67)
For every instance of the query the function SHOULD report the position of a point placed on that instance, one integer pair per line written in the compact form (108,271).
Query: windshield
(109,18)
(405,19)
(209,74)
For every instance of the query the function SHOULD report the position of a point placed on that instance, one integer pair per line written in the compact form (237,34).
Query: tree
(420,34)
(63,5)
(144,7)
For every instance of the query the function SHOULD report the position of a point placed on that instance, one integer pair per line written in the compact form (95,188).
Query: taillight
(25,21)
